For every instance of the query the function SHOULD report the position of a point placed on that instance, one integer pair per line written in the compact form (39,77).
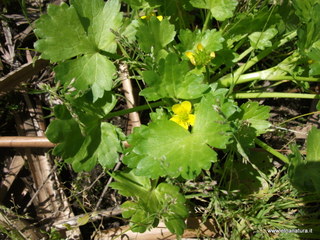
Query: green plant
(198,53)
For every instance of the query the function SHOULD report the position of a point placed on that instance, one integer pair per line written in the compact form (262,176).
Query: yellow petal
(178,120)
(143,17)
(212,54)
(182,108)
(191,119)
(191,57)
(200,47)
(177,109)
(160,18)
(186,105)
(184,125)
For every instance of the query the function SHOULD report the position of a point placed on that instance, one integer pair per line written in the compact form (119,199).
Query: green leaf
(159,114)
(150,204)
(61,34)
(249,121)
(305,173)
(313,148)
(61,112)
(83,220)
(303,9)
(95,71)
(129,32)
(98,109)
(67,134)
(82,30)
(308,13)
(164,148)
(210,125)
(244,140)
(211,40)
(130,185)
(306,177)
(314,54)
(256,116)
(137,4)
(174,209)
(98,18)
(99,143)
(178,12)
(173,80)
(154,35)
(247,179)
(250,22)
(220,9)
(261,40)
(140,220)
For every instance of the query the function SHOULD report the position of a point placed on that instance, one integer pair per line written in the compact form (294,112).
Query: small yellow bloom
(190,55)
(200,47)
(183,115)
(160,18)
(200,56)
(212,55)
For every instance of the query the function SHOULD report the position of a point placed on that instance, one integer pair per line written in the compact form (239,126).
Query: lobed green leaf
(313,148)
(151,204)
(98,142)
(256,115)
(154,35)
(173,80)
(211,40)
(61,34)
(164,148)
(95,71)
(82,30)
(98,19)
(220,9)
(261,40)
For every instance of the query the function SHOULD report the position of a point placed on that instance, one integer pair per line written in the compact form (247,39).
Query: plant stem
(206,22)
(275,95)
(262,55)
(190,196)
(265,53)
(272,151)
(267,74)
(300,116)
(225,69)
(135,109)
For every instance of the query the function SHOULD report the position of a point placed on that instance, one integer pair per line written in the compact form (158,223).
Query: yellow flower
(200,56)
(190,55)
(160,18)
(200,47)
(183,115)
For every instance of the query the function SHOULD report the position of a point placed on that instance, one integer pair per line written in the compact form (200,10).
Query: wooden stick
(31,142)
(21,74)
(19,141)
(134,118)
(10,173)
(195,229)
